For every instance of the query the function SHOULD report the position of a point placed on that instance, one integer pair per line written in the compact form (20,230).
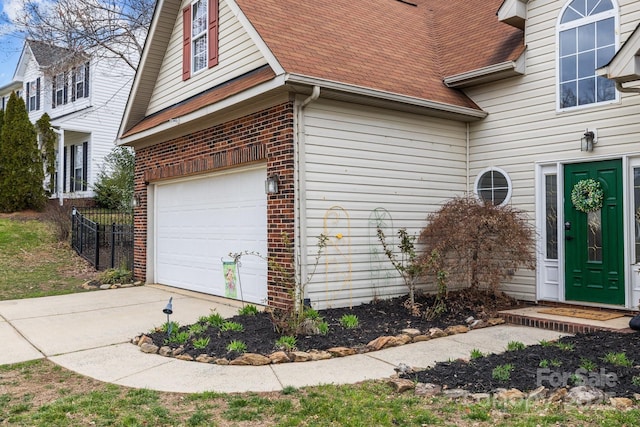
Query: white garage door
(199,222)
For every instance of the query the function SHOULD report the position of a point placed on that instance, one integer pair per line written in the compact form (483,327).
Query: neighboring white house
(372,114)
(85,97)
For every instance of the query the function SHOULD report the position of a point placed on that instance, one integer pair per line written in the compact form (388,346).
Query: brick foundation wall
(264,136)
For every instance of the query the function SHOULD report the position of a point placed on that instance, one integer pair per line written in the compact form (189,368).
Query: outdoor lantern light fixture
(271,184)
(588,140)
(168,310)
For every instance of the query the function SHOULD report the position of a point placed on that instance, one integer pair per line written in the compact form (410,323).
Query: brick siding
(266,136)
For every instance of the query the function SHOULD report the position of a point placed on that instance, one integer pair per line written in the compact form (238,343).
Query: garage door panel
(199,222)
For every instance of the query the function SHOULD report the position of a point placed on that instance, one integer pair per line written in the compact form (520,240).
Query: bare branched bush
(479,244)
(60,219)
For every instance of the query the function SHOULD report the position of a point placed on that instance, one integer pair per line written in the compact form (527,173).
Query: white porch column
(60,170)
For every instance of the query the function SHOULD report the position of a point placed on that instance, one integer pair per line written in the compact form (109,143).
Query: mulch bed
(383,317)
(578,358)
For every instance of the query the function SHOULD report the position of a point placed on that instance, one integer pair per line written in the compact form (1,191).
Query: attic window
(200,37)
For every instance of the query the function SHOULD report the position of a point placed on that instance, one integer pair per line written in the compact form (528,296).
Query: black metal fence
(103,237)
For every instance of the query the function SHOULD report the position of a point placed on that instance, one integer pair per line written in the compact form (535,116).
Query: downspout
(300,201)
(467,160)
(60,133)
(627,89)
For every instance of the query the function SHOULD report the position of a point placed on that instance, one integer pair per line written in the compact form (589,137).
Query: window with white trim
(493,185)
(59,90)
(586,41)
(33,95)
(199,35)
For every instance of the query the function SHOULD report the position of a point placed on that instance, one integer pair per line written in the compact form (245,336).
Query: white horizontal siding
(359,159)
(237,55)
(523,126)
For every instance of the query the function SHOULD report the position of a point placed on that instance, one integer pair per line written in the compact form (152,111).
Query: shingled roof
(399,47)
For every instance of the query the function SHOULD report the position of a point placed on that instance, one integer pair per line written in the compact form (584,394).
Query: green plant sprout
(286,342)
(201,343)
(502,372)
(248,310)
(476,354)
(618,359)
(515,345)
(237,345)
(587,364)
(349,321)
(232,326)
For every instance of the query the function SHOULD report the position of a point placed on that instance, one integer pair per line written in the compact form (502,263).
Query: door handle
(567,226)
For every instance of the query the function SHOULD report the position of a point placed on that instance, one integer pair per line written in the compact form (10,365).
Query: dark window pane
(568,42)
(485,195)
(568,69)
(606,89)
(499,195)
(586,91)
(586,64)
(602,7)
(604,55)
(586,37)
(568,96)
(551,216)
(486,181)
(606,32)
(580,6)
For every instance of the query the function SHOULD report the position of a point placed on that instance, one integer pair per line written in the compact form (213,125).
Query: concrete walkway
(89,333)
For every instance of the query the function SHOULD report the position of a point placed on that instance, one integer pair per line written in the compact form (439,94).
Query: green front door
(594,243)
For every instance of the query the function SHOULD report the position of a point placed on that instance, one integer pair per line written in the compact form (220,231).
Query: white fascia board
(487,74)
(243,96)
(513,12)
(255,37)
(387,96)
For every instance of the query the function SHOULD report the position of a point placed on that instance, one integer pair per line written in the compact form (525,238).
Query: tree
(118,27)
(114,187)
(21,170)
(48,139)
(478,243)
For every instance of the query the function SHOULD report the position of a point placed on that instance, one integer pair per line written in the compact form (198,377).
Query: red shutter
(186,43)
(213,33)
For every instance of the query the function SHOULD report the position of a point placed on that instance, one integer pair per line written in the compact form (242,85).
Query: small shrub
(286,342)
(310,313)
(60,218)
(546,343)
(237,346)
(116,275)
(556,363)
(493,243)
(587,364)
(544,363)
(169,326)
(349,321)
(476,354)
(201,343)
(636,380)
(179,338)
(197,329)
(618,359)
(323,328)
(502,372)
(215,319)
(287,390)
(515,345)
(565,346)
(232,326)
(248,310)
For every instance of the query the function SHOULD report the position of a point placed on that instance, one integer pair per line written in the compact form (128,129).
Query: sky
(10,45)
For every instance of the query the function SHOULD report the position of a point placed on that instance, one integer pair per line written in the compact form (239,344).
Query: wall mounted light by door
(271,184)
(589,140)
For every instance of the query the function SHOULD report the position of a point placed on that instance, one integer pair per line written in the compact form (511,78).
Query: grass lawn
(40,393)
(34,264)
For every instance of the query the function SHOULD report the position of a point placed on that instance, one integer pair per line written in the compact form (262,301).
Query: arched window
(586,41)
